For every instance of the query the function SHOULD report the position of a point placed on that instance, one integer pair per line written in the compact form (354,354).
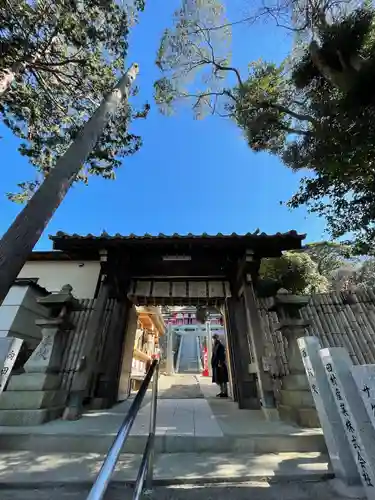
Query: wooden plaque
(197,289)
(215,289)
(179,289)
(161,289)
(142,288)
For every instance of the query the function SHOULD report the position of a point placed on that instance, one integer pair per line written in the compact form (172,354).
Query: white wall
(55,274)
(18,313)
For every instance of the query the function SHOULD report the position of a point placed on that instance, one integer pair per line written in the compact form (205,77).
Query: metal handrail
(146,470)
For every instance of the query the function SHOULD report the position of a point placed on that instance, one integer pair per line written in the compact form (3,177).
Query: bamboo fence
(337,319)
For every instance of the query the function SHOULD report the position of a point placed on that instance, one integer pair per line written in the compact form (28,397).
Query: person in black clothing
(219,367)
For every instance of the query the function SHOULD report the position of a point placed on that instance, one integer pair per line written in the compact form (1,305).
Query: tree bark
(343,80)
(21,237)
(7,76)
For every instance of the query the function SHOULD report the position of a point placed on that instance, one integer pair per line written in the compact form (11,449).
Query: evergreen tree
(58,60)
(315,112)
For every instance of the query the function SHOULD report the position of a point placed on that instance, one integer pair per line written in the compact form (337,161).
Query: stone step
(306,417)
(28,469)
(254,490)
(21,440)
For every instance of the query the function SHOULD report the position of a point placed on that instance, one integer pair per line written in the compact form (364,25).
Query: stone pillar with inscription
(9,349)
(297,403)
(364,377)
(359,431)
(338,446)
(34,397)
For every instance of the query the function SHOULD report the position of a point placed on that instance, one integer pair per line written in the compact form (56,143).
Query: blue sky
(190,176)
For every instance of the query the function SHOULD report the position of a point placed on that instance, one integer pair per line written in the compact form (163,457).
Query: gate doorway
(207,272)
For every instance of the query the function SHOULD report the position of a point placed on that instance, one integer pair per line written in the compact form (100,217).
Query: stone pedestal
(297,403)
(34,397)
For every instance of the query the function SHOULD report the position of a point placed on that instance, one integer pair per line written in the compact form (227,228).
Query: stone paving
(179,387)
(30,468)
(180,420)
(175,416)
(244,491)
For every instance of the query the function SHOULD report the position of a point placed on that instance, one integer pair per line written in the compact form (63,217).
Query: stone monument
(9,349)
(335,437)
(297,403)
(35,397)
(357,426)
(364,377)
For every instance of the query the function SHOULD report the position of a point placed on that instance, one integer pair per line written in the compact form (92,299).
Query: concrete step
(27,469)
(236,491)
(24,440)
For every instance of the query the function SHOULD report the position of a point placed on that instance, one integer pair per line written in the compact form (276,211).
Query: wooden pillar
(82,377)
(107,382)
(229,352)
(256,338)
(245,384)
(127,355)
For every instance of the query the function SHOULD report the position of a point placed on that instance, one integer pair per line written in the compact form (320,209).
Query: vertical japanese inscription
(14,346)
(354,439)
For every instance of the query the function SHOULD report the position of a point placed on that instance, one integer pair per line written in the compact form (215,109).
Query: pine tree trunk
(20,239)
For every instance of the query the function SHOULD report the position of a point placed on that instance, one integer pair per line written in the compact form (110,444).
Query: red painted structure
(205,372)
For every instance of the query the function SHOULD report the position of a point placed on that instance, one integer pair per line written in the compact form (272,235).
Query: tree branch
(229,68)
(292,130)
(218,66)
(63,63)
(293,114)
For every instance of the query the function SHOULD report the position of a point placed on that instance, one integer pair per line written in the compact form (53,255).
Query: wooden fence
(77,336)
(337,319)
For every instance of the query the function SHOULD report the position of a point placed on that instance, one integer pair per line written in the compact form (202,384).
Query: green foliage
(66,56)
(327,127)
(296,272)
(316,113)
(364,275)
(329,256)
(193,57)
(261,107)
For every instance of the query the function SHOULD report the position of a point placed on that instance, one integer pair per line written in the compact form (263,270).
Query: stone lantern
(35,396)
(297,404)
(47,356)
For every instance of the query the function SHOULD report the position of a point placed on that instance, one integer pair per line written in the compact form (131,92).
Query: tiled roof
(30,282)
(256,234)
